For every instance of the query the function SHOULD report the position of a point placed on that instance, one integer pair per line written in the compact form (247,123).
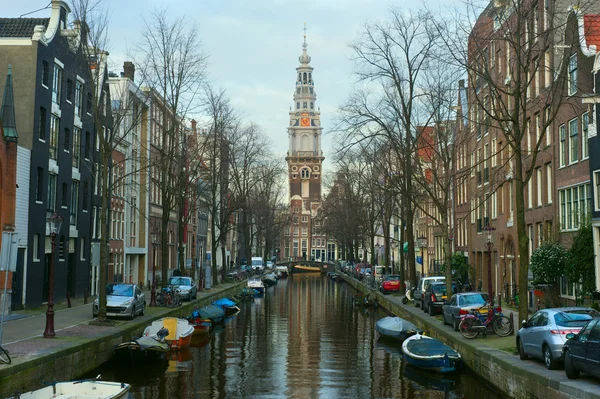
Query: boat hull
(143,350)
(430,354)
(180,331)
(86,389)
(395,328)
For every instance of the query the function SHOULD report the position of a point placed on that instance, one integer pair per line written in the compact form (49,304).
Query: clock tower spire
(305,159)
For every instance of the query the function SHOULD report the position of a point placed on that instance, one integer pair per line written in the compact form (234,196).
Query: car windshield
(439,288)
(180,281)
(474,299)
(257,262)
(574,318)
(119,290)
(392,278)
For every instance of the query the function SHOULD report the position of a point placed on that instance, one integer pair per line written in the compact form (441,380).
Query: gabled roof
(20,27)
(591,26)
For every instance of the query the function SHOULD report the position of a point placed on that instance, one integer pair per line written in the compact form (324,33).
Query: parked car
(379,272)
(544,334)
(422,286)
(122,300)
(269,264)
(390,283)
(582,351)
(185,285)
(460,304)
(435,297)
(258,264)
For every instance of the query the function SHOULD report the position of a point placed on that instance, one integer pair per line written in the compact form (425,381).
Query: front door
(16,301)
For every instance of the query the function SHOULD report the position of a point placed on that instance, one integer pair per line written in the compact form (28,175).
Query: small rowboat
(228,306)
(142,350)
(257,284)
(395,328)
(212,312)
(89,389)
(180,331)
(430,354)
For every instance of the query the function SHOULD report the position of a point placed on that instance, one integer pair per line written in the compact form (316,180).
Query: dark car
(391,283)
(460,305)
(582,351)
(435,297)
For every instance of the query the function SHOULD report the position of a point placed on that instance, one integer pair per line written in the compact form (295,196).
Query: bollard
(68,299)
(538,304)
(512,324)
(85,297)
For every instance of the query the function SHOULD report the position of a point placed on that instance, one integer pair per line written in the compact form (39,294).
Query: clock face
(305,122)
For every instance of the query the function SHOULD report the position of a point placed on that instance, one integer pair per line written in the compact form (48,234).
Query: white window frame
(82,249)
(572,74)
(573,143)
(539,185)
(549,183)
(529,194)
(36,247)
(585,135)
(562,146)
(596,189)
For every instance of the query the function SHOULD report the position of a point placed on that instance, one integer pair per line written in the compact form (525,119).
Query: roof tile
(591,26)
(20,27)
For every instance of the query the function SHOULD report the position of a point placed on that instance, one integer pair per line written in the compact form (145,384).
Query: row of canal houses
(565,180)
(49,156)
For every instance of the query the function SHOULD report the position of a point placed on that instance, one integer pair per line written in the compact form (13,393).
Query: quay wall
(502,370)
(83,354)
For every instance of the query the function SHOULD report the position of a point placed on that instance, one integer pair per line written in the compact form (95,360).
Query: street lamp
(153,289)
(53,222)
(488,246)
(422,244)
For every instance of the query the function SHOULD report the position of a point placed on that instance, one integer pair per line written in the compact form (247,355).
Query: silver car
(460,304)
(123,300)
(544,334)
(185,285)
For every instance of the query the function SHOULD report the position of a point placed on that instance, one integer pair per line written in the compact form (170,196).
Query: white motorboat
(88,389)
(256,284)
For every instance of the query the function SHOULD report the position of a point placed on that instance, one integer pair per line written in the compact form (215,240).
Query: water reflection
(303,339)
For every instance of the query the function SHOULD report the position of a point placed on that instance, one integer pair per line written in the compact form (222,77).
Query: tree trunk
(522,239)
(181,230)
(213,254)
(164,243)
(104,223)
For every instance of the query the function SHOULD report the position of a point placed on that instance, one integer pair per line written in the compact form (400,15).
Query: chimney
(129,70)
(461,84)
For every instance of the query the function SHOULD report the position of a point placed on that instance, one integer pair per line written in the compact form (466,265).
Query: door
(537,334)
(525,334)
(592,351)
(579,348)
(139,299)
(16,301)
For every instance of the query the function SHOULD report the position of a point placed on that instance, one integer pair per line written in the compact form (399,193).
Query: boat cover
(149,343)
(394,327)
(430,347)
(212,312)
(224,302)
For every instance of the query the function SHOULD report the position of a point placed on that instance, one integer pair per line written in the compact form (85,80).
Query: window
(85,195)
(69,90)
(530,239)
(53,145)
(573,141)
(472,165)
(573,74)
(547,70)
(74,198)
(312,105)
(305,173)
(547,130)
(76,146)
(78,98)
(537,130)
(528,133)
(494,149)
(563,147)
(45,73)
(530,194)
(82,248)
(548,183)
(40,185)
(575,203)
(86,149)
(538,176)
(545,18)
(64,196)
(51,204)
(42,125)
(36,247)
(494,205)
(297,105)
(304,104)
(540,234)
(89,104)
(585,149)
(536,15)
(67,140)
(57,83)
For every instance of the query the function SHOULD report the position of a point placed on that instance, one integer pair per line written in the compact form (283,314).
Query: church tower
(305,159)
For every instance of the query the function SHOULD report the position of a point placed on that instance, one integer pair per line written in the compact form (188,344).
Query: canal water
(303,339)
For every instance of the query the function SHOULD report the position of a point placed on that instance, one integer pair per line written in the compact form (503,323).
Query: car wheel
(132,315)
(548,359)
(430,310)
(424,308)
(143,309)
(455,323)
(416,303)
(570,370)
(522,354)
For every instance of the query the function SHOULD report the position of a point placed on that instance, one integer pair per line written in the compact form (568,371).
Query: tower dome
(304,57)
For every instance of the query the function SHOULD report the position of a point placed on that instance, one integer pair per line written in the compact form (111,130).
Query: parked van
(422,287)
(257,264)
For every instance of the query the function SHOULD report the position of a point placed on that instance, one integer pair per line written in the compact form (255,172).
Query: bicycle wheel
(160,300)
(4,357)
(502,326)
(465,327)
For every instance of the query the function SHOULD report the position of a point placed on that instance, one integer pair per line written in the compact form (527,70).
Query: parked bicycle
(169,297)
(4,356)
(475,323)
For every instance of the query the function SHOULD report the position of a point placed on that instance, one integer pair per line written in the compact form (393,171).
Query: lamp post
(422,244)
(489,245)
(53,222)
(153,289)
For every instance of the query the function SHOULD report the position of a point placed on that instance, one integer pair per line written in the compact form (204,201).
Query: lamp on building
(422,244)
(153,289)
(53,223)
(489,245)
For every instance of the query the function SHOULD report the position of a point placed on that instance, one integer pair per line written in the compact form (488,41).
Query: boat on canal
(269,279)
(214,313)
(200,324)
(143,350)
(430,354)
(180,331)
(228,306)
(395,328)
(88,389)
(256,284)
(281,271)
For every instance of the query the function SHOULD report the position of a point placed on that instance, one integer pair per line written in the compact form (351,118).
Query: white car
(269,264)
(126,300)
(257,264)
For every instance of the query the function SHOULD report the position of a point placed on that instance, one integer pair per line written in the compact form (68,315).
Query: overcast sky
(254,48)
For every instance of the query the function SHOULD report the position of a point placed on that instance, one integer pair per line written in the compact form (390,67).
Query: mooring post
(85,295)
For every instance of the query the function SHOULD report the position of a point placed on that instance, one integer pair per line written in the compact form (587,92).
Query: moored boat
(228,306)
(281,271)
(143,349)
(88,389)
(269,279)
(180,331)
(395,328)
(430,354)
(212,312)
(256,284)
(300,268)
(201,325)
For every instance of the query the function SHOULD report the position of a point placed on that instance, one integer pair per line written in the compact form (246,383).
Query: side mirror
(570,336)
(524,324)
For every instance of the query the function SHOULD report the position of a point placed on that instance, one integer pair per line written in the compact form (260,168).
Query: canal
(303,339)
